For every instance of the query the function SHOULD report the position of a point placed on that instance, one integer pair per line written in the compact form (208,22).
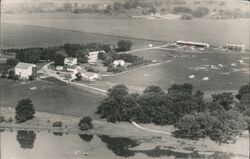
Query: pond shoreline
(101,127)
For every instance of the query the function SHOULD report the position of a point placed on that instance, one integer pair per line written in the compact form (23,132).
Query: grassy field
(221,79)
(28,36)
(216,32)
(50,96)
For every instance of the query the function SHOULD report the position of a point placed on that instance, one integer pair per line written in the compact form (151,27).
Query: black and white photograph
(124,79)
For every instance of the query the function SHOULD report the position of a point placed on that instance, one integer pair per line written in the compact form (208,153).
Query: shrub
(11,74)
(4,75)
(182,10)
(1,119)
(24,110)
(85,123)
(12,62)
(32,77)
(78,76)
(57,124)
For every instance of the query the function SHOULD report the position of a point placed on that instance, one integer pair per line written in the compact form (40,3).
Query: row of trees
(197,13)
(219,119)
(58,53)
(111,56)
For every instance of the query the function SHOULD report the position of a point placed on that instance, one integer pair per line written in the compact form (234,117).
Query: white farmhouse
(69,61)
(93,56)
(119,62)
(25,70)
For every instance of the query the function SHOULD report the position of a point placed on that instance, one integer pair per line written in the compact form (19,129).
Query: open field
(227,78)
(27,36)
(50,96)
(215,32)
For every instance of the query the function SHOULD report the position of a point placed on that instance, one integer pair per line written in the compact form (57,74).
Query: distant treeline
(36,54)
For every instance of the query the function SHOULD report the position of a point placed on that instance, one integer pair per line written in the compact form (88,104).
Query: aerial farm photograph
(124,79)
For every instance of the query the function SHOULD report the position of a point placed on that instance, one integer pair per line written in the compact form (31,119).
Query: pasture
(178,70)
(50,96)
(15,36)
(214,32)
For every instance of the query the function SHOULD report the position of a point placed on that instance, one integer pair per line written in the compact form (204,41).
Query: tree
(11,74)
(152,10)
(182,10)
(29,55)
(124,45)
(118,106)
(224,99)
(26,139)
(200,12)
(24,110)
(78,76)
(118,92)
(12,62)
(117,6)
(59,59)
(184,88)
(85,123)
(195,125)
(221,127)
(227,126)
(245,89)
(153,89)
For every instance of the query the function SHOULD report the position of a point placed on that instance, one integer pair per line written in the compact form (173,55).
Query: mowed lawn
(50,97)
(227,78)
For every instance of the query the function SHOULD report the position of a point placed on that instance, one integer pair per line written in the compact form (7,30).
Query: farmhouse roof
(25,66)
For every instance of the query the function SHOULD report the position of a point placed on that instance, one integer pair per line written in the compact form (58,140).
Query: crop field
(178,70)
(28,36)
(50,96)
(215,32)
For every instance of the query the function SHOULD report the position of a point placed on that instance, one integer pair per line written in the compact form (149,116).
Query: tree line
(58,53)
(222,119)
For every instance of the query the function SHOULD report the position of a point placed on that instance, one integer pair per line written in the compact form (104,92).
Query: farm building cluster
(71,67)
(201,46)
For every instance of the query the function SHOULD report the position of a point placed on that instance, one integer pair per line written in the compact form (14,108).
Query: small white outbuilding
(205,78)
(119,62)
(191,76)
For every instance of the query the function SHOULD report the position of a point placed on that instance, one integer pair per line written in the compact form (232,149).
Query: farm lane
(46,71)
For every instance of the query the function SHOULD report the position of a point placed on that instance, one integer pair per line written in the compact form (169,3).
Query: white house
(69,61)
(24,70)
(90,75)
(119,62)
(93,56)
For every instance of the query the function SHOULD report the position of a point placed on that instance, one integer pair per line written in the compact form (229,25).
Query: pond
(38,145)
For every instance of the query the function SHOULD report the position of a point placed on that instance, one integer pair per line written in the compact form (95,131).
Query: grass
(28,36)
(223,79)
(50,96)
(219,32)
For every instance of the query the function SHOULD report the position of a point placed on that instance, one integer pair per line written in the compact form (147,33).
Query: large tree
(124,45)
(24,110)
(12,62)
(59,59)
